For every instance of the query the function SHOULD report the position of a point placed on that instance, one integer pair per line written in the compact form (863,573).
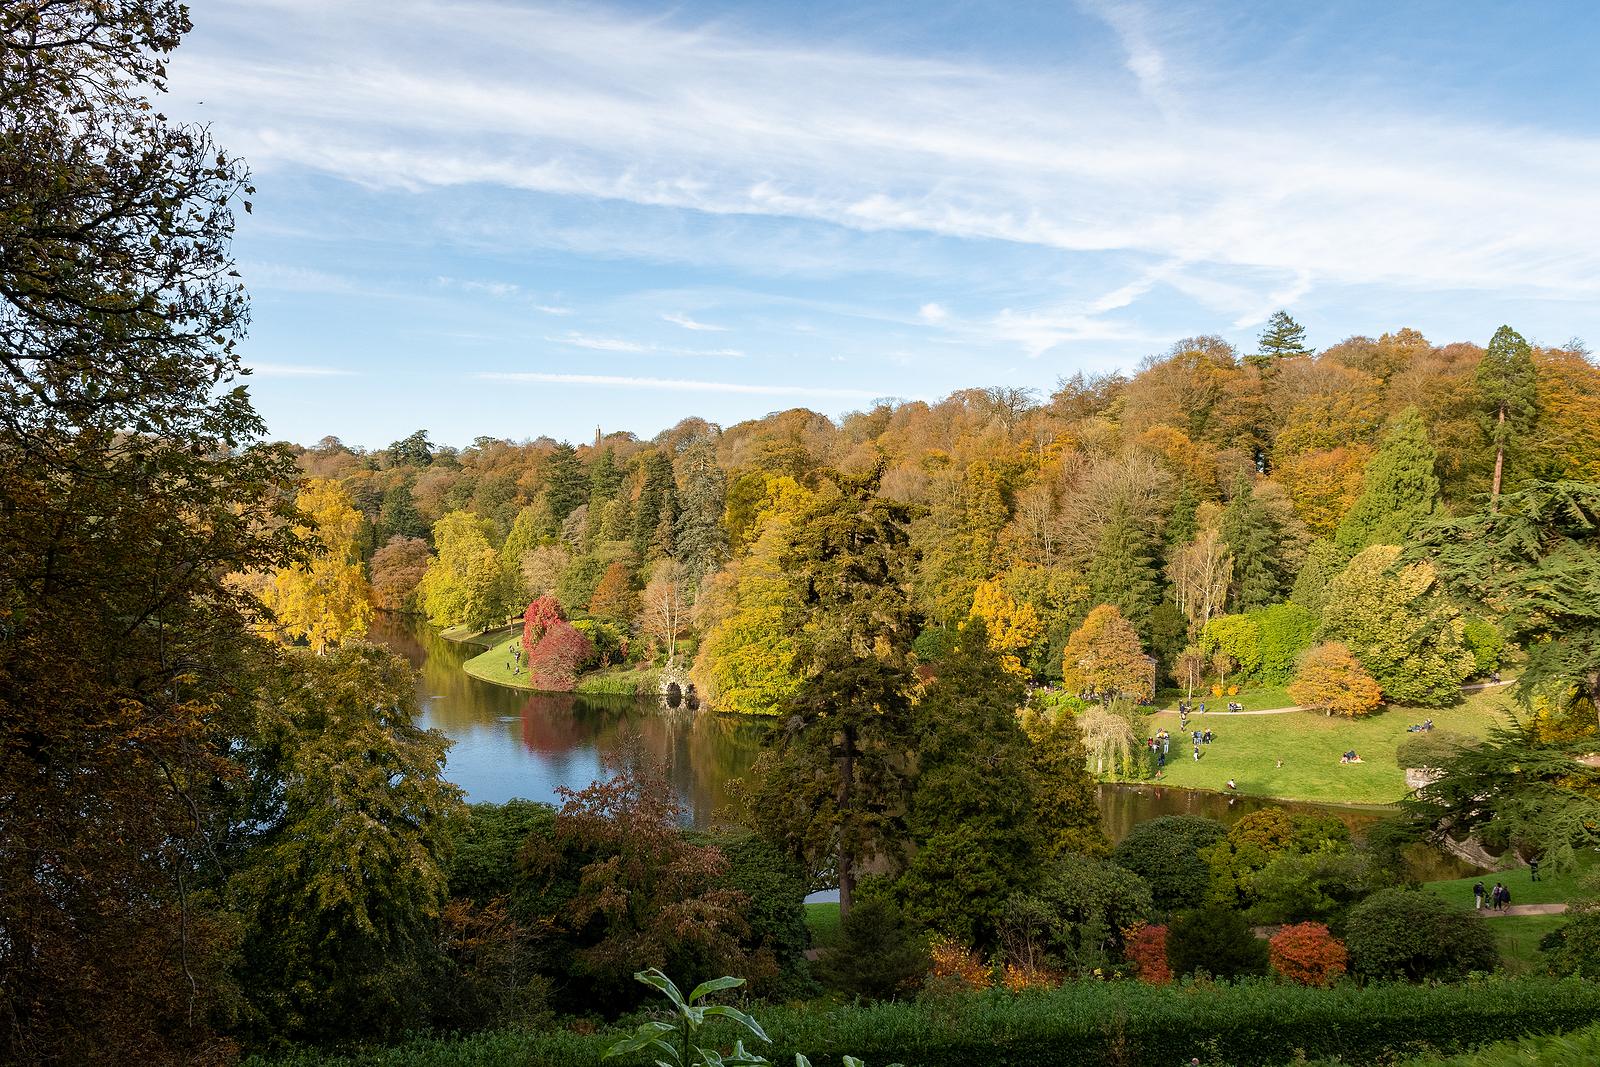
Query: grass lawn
(495,666)
(466,635)
(823,921)
(1255,698)
(1248,747)
(1551,888)
(1518,939)
(635,679)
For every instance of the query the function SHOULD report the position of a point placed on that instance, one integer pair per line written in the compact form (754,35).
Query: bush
(1166,853)
(878,955)
(776,888)
(1407,933)
(1308,954)
(1574,947)
(1217,942)
(1146,948)
(1487,645)
(609,641)
(1285,631)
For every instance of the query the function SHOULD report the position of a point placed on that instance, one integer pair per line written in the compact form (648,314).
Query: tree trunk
(1499,458)
(847,859)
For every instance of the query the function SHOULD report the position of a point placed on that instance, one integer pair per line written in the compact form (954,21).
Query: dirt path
(1521,909)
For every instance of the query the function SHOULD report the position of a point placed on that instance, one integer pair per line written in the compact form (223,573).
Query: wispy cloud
(295,370)
(551,309)
(690,324)
(673,385)
(599,344)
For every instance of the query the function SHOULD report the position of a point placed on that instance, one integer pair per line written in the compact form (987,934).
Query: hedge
(1251,1024)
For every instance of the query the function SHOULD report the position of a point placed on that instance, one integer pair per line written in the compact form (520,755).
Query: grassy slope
(1551,888)
(1248,747)
(822,919)
(495,666)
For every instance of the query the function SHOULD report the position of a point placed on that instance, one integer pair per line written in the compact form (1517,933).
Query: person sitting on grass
(1350,757)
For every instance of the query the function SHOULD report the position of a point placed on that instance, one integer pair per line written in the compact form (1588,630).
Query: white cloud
(690,324)
(599,344)
(296,370)
(551,309)
(675,385)
(934,313)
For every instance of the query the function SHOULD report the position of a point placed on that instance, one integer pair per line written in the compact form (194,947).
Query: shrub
(1146,948)
(776,889)
(955,966)
(558,658)
(1484,640)
(1308,954)
(1406,933)
(1574,947)
(1215,941)
(1285,630)
(1165,852)
(878,955)
(537,619)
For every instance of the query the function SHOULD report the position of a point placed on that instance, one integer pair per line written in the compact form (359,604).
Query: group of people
(1499,898)
(1420,727)
(1159,745)
(1350,757)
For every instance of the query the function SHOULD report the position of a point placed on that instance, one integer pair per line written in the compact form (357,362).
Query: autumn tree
(1400,490)
(465,583)
(1104,659)
(559,657)
(542,568)
(1200,573)
(1323,561)
(323,599)
(1308,954)
(397,570)
(664,606)
(614,597)
(1507,381)
(132,481)
(540,614)
(1011,626)
(1330,679)
(344,876)
(1401,628)
(971,815)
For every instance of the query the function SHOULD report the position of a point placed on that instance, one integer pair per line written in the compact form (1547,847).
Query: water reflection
(510,743)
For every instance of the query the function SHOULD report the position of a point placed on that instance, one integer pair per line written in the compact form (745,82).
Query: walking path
(1521,909)
(1474,688)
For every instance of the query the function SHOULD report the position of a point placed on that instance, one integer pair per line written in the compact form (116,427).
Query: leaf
(738,1016)
(647,1035)
(715,985)
(657,980)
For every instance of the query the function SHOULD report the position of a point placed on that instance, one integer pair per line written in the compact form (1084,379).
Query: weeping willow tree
(1108,738)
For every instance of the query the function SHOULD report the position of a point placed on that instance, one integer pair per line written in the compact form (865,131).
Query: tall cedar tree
(1282,339)
(1256,539)
(657,503)
(131,483)
(1399,492)
(1123,571)
(832,785)
(566,484)
(1066,796)
(700,541)
(971,821)
(1508,382)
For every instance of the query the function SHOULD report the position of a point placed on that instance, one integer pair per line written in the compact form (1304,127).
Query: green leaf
(740,1017)
(715,985)
(646,1035)
(655,979)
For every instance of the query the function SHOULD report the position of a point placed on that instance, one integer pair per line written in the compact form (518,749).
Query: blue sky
(495,217)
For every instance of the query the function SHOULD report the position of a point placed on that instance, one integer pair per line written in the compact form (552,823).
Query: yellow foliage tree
(1323,485)
(1331,679)
(1012,625)
(324,599)
(1104,658)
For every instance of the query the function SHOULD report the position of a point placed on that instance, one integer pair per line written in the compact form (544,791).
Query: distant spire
(597,437)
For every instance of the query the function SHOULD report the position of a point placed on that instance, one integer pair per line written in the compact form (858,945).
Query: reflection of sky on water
(510,743)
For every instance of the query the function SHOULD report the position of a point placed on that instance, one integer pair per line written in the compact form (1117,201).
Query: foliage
(971,820)
(1507,382)
(322,599)
(1011,626)
(1165,852)
(614,598)
(1574,947)
(1104,660)
(1073,919)
(1323,561)
(1065,795)
(952,965)
(1286,630)
(465,585)
(1238,637)
(664,607)
(1306,953)
(1320,886)
(1393,619)
(1484,640)
(1146,948)
(775,915)
(397,570)
(1123,571)
(1255,535)
(1201,572)
(1400,490)
(559,657)
(679,1040)
(1403,933)
(1215,941)
(1283,338)
(878,955)
(1331,679)
(346,871)
(541,614)
(1258,838)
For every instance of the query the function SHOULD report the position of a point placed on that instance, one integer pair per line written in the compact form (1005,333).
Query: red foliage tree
(540,614)
(559,656)
(1146,948)
(1308,954)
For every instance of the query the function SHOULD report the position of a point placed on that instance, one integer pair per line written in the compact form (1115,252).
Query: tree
(1215,941)
(1508,381)
(1236,637)
(971,818)
(1011,626)
(566,484)
(1282,339)
(1306,953)
(1400,490)
(345,875)
(540,615)
(1415,935)
(1103,659)
(1394,620)
(542,568)
(1323,561)
(1190,669)
(398,515)
(465,584)
(1123,571)
(1285,630)
(132,481)
(413,451)
(558,658)
(1255,536)
(614,597)
(1166,853)
(878,955)
(528,529)
(657,503)
(1332,680)
(664,607)
(323,599)
(831,786)
(1065,796)
(1146,949)
(1201,572)
(397,570)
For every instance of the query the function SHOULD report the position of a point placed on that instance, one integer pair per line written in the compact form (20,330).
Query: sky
(512,219)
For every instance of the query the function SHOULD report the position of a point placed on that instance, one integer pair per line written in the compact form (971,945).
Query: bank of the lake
(498,664)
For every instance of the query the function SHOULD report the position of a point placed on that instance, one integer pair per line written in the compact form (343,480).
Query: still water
(510,743)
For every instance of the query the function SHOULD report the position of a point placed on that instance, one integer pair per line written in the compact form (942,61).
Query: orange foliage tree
(1308,954)
(1146,948)
(1330,679)
(1103,657)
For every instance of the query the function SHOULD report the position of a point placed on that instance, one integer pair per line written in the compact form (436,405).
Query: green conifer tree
(1400,489)
(566,484)
(700,540)
(1323,561)
(1508,383)
(1282,338)
(656,493)
(1123,570)
(1256,539)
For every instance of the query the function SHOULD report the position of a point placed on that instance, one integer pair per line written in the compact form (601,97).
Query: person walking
(1477,896)
(1497,896)
(1197,753)
(1533,869)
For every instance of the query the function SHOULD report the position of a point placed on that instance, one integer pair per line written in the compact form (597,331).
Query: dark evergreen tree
(413,451)
(566,483)
(657,503)
(1256,539)
(1400,489)
(1182,524)
(1282,338)
(1123,570)
(971,818)
(1508,383)
(1066,795)
(1323,561)
(700,539)
(1216,941)
(399,516)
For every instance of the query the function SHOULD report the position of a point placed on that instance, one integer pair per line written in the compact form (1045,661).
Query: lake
(510,743)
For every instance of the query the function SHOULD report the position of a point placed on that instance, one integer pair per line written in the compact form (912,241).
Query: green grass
(1518,937)
(496,665)
(1248,747)
(1254,698)
(466,635)
(630,680)
(822,919)
(1551,888)
(1581,1048)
